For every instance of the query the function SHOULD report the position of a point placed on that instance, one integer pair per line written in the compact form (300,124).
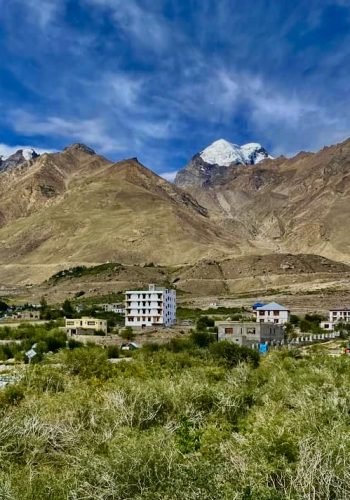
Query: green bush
(203,322)
(113,351)
(88,362)
(202,339)
(11,395)
(232,354)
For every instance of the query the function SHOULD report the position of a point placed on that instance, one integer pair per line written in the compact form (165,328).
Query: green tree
(68,309)
(290,330)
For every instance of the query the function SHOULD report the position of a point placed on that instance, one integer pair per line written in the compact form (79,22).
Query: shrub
(11,395)
(113,351)
(203,322)
(88,362)
(127,334)
(74,344)
(231,354)
(202,339)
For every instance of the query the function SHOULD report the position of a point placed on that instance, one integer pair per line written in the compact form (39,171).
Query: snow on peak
(225,153)
(28,154)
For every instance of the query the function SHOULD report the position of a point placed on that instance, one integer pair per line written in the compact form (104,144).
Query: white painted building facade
(152,307)
(272,313)
(336,315)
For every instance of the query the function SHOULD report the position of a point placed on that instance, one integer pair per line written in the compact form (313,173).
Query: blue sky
(162,79)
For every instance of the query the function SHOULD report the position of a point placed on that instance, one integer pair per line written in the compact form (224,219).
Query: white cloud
(92,132)
(141,25)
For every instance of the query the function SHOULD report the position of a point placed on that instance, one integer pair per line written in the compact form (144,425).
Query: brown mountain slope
(76,207)
(299,205)
(306,278)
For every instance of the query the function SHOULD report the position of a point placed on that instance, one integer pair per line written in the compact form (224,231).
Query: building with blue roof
(272,313)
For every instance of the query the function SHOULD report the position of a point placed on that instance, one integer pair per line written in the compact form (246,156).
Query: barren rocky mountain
(71,208)
(299,205)
(75,207)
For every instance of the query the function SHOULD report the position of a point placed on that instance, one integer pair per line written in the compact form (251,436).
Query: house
(272,313)
(115,308)
(85,326)
(336,315)
(152,307)
(250,333)
(341,314)
(28,315)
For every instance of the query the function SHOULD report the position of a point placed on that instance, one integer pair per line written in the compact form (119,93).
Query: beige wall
(86,324)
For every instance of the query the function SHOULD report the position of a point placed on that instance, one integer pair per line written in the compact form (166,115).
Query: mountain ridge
(61,209)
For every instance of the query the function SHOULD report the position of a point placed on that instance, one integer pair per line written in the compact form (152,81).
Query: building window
(229,331)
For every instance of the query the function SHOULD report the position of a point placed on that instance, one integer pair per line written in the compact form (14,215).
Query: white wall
(271,317)
(149,307)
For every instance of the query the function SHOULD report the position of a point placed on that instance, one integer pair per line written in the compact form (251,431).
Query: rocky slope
(300,204)
(214,164)
(65,209)
(77,207)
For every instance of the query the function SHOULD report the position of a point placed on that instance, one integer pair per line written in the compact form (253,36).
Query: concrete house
(272,313)
(115,308)
(336,315)
(155,306)
(250,334)
(85,326)
(28,314)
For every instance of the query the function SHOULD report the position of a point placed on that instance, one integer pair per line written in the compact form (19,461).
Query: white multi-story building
(336,315)
(272,313)
(341,314)
(155,306)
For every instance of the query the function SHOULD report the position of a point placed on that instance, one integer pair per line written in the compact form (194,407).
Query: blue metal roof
(272,306)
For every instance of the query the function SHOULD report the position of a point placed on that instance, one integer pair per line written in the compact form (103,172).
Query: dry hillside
(75,207)
(299,205)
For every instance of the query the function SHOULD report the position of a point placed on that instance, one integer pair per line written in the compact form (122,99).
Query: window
(91,323)
(261,313)
(229,331)
(276,313)
(251,331)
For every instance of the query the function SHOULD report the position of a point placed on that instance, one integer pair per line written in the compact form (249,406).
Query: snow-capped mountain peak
(16,159)
(225,153)
(29,154)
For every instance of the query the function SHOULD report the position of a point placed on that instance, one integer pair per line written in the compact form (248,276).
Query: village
(151,315)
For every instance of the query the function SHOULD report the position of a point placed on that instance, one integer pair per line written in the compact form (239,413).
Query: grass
(174,425)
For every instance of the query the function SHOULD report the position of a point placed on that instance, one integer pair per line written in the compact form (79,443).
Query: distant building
(28,315)
(85,326)
(336,315)
(250,333)
(272,313)
(339,314)
(152,307)
(115,308)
